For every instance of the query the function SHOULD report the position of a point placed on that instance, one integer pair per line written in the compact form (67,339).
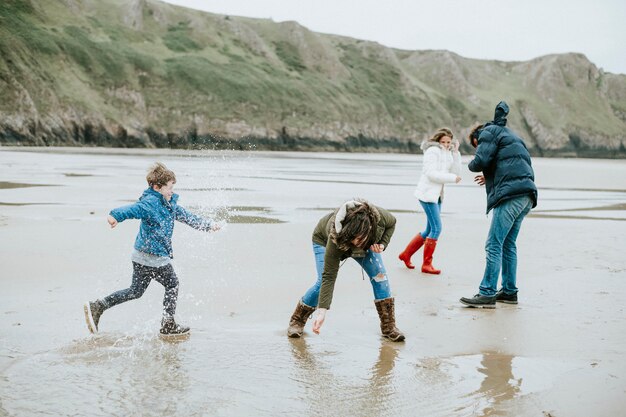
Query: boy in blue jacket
(508,176)
(157,209)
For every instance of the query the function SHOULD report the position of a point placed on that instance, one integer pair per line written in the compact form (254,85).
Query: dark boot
(386,313)
(429,249)
(502,297)
(93,311)
(169,327)
(411,248)
(298,319)
(479,300)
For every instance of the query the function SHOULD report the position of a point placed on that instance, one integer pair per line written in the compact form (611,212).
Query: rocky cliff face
(136,73)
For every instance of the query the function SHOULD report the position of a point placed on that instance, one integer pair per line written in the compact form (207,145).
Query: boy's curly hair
(160,175)
(360,223)
(475,133)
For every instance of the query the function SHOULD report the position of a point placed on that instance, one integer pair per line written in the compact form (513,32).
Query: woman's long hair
(441,132)
(360,223)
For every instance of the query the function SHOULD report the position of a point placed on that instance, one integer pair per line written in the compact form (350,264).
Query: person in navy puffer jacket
(507,173)
(157,209)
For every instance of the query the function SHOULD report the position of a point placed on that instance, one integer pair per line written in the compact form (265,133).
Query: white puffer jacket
(441,166)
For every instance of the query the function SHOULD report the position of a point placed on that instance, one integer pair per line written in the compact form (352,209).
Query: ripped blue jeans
(372,264)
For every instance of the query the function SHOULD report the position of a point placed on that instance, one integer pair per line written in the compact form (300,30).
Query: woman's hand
(479,179)
(112,221)
(377,247)
(319,320)
(455,146)
(458,179)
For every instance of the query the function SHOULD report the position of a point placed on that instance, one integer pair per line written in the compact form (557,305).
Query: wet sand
(559,352)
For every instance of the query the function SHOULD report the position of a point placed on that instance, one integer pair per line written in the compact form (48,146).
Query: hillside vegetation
(141,73)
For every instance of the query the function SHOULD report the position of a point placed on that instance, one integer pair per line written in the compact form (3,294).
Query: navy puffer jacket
(504,160)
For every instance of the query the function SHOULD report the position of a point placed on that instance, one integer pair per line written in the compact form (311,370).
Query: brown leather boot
(411,248)
(298,319)
(386,313)
(429,249)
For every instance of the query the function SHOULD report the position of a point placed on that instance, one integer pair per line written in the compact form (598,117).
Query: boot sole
(478,305)
(294,335)
(175,334)
(397,339)
(506,301)
(179,337)
(89,319)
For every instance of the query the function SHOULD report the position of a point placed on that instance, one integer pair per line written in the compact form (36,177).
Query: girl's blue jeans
(433,217)
(372,264)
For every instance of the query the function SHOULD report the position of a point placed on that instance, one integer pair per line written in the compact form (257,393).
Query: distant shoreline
(351,144)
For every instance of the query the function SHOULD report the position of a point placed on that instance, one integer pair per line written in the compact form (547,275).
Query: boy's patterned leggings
(142,275)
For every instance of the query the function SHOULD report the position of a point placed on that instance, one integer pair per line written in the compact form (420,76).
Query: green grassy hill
(144,73)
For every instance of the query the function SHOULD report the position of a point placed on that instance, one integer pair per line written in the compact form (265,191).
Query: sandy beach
(558,353)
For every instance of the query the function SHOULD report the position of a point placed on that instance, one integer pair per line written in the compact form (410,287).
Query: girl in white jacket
(442,164)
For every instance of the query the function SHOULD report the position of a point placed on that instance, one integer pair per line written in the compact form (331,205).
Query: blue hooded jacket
(157,221)
(504,160)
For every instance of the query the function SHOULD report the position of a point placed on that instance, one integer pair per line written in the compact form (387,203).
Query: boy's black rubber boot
(169,327)
(502,297)
(478,300)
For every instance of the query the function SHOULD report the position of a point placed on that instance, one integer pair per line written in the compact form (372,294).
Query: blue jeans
(142,276)
(433,218)
(372,264)
(500,245)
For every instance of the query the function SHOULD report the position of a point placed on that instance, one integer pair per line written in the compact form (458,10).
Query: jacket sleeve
(431,160)
(332,259)
(390,227)
(131,211)
(456,163)
(192,220)
(485,152)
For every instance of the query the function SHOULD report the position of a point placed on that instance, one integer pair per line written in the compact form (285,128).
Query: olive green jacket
(333,257)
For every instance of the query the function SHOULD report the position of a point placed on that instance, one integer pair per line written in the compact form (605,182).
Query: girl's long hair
(441,132)
(360,222)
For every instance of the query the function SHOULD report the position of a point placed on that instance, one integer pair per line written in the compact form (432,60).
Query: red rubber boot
(411,248)
(429,249)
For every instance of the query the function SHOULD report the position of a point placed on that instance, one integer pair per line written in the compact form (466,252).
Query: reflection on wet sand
(610,207)
(5,185)
(324,389)
(557,216)
(28,204)
(498,386)
(150,373)
(476,385)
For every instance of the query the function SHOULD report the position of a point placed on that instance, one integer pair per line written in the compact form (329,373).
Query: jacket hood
(427,144)
(499,116)
(340,214)
(149,192)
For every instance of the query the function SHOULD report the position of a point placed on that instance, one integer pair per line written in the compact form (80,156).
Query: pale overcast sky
(507,30)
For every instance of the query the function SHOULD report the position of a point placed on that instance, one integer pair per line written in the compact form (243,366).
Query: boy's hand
(111,221)
(319,320)
(377,247)
(479,179)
